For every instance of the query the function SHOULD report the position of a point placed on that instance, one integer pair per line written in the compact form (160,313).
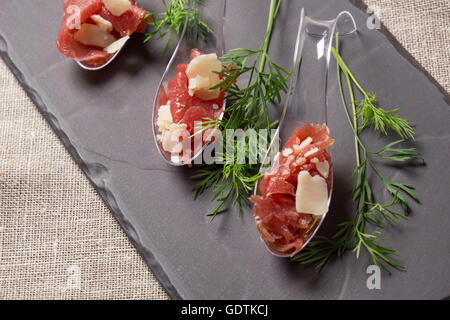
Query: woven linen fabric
(423,28)
(57,238)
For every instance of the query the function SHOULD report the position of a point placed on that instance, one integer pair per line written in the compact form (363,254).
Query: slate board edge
(105,194)
(403,52)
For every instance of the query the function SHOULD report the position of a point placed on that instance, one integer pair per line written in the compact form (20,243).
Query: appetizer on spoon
(186,97)
(292,198)
(94,31)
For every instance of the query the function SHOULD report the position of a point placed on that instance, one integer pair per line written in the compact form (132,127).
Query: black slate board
(104,120)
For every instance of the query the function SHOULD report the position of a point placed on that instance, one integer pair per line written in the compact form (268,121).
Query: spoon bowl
(308,95)
(86,66)
(190,38)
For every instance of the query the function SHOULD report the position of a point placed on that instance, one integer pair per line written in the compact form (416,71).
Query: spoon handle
(309,93)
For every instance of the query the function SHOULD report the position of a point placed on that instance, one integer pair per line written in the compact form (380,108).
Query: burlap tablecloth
(57,238)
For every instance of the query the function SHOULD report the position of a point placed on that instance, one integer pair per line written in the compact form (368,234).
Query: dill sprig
(230,182)
(372,116)
(171,22)
(355,233)
(247,108)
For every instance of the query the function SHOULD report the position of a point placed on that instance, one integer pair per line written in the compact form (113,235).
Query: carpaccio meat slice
(129,22)
(181,102)
(274,209)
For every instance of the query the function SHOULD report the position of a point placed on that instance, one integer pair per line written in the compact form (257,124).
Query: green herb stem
(274,6)
(342,66)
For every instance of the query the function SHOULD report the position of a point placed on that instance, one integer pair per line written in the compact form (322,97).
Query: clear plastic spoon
(307,100)
(189,39)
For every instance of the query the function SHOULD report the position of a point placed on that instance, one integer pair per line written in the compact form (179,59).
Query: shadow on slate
(104,121)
